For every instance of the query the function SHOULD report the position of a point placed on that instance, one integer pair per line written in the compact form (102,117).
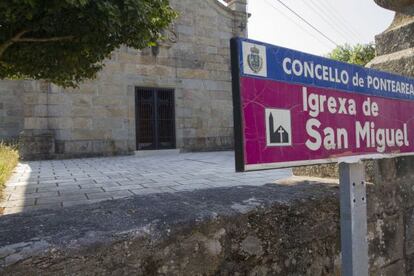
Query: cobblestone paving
(62,183)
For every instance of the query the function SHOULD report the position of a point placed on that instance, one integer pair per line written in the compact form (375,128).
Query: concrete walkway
(62,183)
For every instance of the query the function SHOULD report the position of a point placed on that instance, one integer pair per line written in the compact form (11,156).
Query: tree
(359,54)
(66,41)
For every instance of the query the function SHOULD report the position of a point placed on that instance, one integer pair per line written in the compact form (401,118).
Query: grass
(9,157)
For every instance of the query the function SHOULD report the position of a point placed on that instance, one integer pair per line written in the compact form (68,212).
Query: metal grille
(155,118)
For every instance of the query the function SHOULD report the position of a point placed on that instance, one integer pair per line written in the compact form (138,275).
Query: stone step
(146,153)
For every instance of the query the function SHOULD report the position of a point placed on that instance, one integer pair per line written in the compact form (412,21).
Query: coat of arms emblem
(254,60)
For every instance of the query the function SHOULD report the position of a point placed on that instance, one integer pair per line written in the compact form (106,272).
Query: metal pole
(354,246)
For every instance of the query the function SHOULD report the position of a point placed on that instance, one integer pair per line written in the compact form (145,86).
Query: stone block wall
(94,119)
(98,118)
(11,108)
(390,216)
(198,68)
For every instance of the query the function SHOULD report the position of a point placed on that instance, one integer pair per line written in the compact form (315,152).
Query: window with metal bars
(155,118)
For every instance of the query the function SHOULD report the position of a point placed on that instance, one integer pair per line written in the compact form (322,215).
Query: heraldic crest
(254,60)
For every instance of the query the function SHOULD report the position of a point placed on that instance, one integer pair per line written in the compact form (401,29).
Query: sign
(292,108)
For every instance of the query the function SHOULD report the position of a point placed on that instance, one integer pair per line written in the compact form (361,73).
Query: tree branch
(50,39)
(18,38)
(10,42)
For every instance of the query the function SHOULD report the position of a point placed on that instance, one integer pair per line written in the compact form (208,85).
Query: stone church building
(174,96)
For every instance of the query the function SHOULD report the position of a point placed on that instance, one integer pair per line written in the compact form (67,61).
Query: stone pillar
(240,9)
(393,182)
(395,46)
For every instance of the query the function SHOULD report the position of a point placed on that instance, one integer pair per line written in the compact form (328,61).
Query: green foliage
(8,160)
(359,54)
(66,41)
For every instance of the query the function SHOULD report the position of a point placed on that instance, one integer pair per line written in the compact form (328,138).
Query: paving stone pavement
(61,183)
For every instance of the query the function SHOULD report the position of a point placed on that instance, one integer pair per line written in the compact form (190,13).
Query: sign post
(354,245)
(295,109)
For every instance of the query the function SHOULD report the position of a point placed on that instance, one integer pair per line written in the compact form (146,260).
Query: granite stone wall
(98,118)
(11,108)
(395,46)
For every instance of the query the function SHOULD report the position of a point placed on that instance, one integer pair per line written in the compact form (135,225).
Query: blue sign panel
(261,60)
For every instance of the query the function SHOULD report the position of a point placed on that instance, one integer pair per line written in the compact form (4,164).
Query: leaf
(359,54)
(98,27)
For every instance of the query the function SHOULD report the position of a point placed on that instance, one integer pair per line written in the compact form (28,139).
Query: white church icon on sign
(278,127)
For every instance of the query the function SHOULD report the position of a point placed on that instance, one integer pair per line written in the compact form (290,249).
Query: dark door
(155,118)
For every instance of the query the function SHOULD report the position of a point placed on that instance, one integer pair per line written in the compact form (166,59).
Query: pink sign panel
(289,122)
